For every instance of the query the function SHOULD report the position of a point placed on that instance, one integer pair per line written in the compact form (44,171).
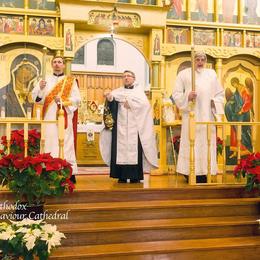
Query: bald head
(200,54)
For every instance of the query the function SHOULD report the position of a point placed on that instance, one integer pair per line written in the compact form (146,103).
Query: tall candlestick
(44,50)
(192,68)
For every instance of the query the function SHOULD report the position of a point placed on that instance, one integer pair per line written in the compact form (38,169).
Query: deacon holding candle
(57,92)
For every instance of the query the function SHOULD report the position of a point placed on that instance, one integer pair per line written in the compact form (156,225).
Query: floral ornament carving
(221,52)
(256,53)
(168,49)
(216,52)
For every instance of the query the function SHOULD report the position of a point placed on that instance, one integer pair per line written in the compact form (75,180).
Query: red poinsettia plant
(35,178)
(249,167)
(17,142)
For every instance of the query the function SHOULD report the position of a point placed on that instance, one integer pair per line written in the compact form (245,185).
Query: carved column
(162,75)
(244,39)
(218,43)
(68,66)
(216,11)
(219,68)
(188,12)
(155,75)
(240,12)
(221,37)
(26,23)
(57,27)
(191,35)
(26,5)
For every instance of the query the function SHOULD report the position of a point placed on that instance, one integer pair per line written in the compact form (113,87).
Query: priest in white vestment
(209,103)
(130,148)
(57,90)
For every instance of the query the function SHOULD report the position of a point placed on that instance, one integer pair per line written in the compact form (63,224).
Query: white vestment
(131,123)
(51,130)
(208,89)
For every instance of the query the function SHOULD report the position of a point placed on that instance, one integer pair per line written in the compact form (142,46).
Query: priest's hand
(57,100)
(42,84)
(192,96)
(108,96)
(212,104)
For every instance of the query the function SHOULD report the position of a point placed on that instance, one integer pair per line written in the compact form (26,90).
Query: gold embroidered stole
(62,88)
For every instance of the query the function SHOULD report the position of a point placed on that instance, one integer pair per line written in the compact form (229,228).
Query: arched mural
(239,85)
(15,97)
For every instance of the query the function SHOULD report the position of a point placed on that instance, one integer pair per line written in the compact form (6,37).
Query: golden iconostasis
(162,31)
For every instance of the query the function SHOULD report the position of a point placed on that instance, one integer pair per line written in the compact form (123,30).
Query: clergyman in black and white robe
(130,148)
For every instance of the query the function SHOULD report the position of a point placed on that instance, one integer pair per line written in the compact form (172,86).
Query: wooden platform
(161,218)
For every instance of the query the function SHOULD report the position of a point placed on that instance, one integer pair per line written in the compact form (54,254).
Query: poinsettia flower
(8,159)
(244,163)
(30,237)
(30,234)
(4,140)
(249,167)
(41,158)
(52,236)
(219,141)
(17,141)
(3,226)
(20,164)
(22,230)
(26,222)
(255,170)
(237,169)
(8,234)
(38,168)
(29,241)
(257,156)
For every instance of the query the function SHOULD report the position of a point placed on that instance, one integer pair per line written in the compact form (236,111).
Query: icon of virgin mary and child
(16,97)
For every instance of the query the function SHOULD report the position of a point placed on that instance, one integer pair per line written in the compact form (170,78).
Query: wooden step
(145,194)
(230,248)
(93,233)
(148,194)
(116,211)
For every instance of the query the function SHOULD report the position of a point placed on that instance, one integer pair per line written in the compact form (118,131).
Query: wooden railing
(24,124)
(221,131)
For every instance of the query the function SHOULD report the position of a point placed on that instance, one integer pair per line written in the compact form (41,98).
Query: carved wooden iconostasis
(232,49)
(162,32)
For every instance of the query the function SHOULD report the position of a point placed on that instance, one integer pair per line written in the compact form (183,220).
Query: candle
(44,63)
(192,68)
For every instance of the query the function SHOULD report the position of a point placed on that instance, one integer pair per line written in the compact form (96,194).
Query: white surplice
(51,130)
(131,123)
(208,89)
